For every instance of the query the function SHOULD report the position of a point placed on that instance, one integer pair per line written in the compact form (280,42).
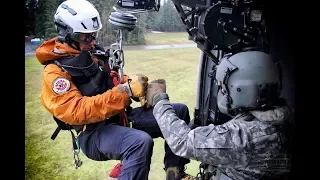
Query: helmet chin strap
(227,72)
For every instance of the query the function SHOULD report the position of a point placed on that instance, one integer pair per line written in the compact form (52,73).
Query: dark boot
(178,173)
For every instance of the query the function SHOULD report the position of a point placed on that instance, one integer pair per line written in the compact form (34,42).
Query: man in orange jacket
(78,89)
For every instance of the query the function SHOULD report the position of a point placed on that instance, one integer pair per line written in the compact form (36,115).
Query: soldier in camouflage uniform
(249,146)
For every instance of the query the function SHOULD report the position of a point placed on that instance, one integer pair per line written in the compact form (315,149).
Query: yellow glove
(154,87)
(136,86)
(125,78)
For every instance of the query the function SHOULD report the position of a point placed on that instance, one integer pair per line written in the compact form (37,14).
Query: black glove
(100,52)
(99,47)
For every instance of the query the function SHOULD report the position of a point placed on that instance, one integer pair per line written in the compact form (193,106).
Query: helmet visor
(84,37)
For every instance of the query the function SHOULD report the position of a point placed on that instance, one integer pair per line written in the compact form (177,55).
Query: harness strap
(94,84)
(74,141)
(123,115)
(207,101)
(55,133)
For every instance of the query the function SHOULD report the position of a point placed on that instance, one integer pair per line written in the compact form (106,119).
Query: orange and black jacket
(71,105)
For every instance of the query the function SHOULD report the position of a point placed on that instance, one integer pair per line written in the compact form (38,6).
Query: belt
(90,127)
(93,126)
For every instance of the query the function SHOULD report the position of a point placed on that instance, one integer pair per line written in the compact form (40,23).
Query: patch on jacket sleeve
(60,85)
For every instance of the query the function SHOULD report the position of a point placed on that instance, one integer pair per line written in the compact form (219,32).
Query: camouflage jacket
(246,147)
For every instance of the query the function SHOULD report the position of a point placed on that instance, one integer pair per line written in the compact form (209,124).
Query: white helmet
(75,17)
(247,81)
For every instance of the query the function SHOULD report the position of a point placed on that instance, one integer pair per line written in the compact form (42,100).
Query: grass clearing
(47,159)
(167,38)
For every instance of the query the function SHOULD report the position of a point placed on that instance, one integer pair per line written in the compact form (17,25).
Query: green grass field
(167,38)
(46,159)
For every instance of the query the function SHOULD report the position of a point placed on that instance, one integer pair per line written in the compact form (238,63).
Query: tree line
(39,21)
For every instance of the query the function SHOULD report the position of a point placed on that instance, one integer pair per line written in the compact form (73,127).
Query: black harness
(91,78)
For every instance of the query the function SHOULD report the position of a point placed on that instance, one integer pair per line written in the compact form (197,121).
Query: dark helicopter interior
(226,27)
